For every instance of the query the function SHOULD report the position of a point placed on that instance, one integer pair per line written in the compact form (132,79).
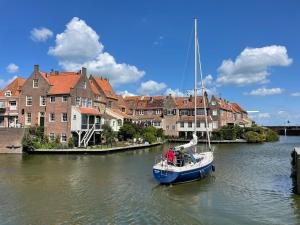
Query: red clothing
(170,155)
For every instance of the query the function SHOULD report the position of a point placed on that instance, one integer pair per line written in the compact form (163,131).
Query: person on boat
(170,156)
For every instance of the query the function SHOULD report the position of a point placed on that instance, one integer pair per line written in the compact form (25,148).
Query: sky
(250,50)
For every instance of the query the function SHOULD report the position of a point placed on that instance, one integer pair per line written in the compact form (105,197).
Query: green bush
(228,133)
(127,131)
(149,137)
(254,137)
(271,135)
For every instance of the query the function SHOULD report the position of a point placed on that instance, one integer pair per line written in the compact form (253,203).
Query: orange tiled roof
(121,101)
(61,83)
(237,108)
(89,111)
(124,115)
(106,88)
(14,87)
(189,102)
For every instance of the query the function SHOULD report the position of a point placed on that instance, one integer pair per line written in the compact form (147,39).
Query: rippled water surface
(251,185)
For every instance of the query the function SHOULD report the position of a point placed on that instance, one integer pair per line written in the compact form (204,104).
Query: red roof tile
(89,111)
(124,115)
(61,83)
(237,108)
(14,87)
(189,102)
(106,88)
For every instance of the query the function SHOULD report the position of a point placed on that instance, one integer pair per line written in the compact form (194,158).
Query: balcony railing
(89,126)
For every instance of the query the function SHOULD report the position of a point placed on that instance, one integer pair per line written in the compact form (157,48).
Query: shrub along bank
(254,134)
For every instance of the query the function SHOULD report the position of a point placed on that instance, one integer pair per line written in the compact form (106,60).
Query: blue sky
(250,49)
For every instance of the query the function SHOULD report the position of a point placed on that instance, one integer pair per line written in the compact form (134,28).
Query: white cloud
(12,68)
(296,94)
(40,34)
(263,115)
(174,92)
(208,80)
(251,66)
(266,91)
(4,83)
(79,46)
(252,111)
(125,93)
(151,87)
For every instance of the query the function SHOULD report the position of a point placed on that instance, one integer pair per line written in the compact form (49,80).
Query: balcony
(89,126)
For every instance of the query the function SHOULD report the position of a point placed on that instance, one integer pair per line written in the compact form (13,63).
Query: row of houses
(71,104)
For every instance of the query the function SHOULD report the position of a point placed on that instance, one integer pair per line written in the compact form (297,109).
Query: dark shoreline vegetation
(254,134)
(131,133)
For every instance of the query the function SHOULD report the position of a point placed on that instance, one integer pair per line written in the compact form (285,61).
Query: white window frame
(26,118)
(190,124)
(7,93)
(78,101)
(214,112)
(43,100)
(52,97)
(158,111)
(52,137)
(14,107)
(84,84)
(62,117)
(50,119)
(34,84)
(141,112)
(63,98)
(27,99)
(61,137)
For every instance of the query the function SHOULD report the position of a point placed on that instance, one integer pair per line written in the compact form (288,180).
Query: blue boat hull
(167,177)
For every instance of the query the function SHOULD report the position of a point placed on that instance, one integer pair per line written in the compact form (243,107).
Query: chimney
(190,98)
(56,72)
(83,71)
(151,99)
(36,68)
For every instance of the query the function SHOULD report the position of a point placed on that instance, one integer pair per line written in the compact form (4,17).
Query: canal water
(251,185)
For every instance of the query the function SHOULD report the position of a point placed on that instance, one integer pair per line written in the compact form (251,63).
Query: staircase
(11,140)
(87,136)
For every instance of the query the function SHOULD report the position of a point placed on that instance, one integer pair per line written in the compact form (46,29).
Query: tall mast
(195,77)
(203,96)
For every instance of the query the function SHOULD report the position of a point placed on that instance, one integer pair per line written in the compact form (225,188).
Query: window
(8,93)
(64,117)
(158,111)
(28,100)
(78,100)
(119,122)
(200,112)
(214,112)
(35,83)
(64,98)
(215,124)
(185,101)
(51,136)
(42,100)
(190,124)
(84,102)
(181,124)
(84,84)
(51,117)
(167,127)
(74,117)
(173,127)
(52,98)
(89,104)
(109,104)
(198,123)
(123,109)
(13,105)
(141,112)
(63,137)
(28,118)
(213,103)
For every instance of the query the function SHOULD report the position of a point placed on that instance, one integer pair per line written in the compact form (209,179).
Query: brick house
(9,103)
(240,116)
(221,111)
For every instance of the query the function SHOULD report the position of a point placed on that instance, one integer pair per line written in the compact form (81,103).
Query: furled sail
(192,143)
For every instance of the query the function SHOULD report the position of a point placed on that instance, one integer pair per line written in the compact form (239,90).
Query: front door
(42,119)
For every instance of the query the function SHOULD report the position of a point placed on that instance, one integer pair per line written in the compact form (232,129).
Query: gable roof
(61,83)
(14,87)
(237,108)
(105,87)
(189,102)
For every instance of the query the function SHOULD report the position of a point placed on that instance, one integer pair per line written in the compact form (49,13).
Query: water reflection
(251,185)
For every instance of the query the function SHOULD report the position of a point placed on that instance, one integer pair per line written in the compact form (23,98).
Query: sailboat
(182,164)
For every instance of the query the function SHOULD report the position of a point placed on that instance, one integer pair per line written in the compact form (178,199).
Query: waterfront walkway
(212,141)
(91,150)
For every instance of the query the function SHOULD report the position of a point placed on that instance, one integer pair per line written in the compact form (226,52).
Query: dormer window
(185,101)
(35,83)
(213,103)
(8,93)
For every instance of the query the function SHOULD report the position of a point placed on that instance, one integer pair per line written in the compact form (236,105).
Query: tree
(127,131)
